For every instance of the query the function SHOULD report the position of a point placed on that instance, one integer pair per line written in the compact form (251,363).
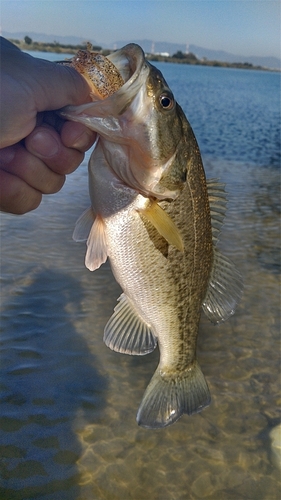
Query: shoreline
(189,59)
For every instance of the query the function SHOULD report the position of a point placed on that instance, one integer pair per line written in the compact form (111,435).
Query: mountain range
(201,52)
(151,46)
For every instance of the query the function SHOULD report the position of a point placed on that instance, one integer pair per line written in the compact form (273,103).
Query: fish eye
(166,101)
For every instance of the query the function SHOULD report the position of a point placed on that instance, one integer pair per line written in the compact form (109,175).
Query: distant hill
(200,52)
(42,37)
(156,47)
(220,55)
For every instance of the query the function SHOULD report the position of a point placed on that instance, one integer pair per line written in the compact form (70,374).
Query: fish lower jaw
(148,191)
(155,189)
(162,195)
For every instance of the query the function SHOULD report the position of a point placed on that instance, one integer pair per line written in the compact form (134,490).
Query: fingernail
(43,143)
(83,141)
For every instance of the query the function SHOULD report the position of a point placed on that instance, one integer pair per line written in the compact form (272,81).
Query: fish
(157,219)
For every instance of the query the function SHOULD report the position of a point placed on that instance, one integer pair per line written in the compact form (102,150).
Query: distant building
(164,54)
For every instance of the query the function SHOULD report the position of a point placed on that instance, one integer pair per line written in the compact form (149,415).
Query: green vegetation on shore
(179,57)
(190,58)
(58,48)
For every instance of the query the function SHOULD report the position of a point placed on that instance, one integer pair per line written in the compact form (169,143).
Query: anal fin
(127,332)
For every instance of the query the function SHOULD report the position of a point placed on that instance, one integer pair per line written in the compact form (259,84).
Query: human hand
(37,147)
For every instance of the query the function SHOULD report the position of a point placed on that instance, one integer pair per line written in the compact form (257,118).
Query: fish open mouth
(129,61)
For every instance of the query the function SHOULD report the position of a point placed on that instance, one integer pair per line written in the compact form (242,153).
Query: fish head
(141,127)
(167,130)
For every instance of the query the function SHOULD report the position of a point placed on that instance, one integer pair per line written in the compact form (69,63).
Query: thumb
(46,84)
(61,86)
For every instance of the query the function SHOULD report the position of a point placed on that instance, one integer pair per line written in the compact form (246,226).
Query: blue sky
(247,27)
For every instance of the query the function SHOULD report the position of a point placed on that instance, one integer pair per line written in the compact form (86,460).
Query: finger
(16,196)
(50,118)
(73,134)
(76,135)
(45,143)
(68,86)
(16,160)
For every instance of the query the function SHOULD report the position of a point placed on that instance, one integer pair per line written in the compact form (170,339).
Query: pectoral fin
(164,224)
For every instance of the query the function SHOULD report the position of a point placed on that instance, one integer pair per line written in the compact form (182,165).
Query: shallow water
(68,405)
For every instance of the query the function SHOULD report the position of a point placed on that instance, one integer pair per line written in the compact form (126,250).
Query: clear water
(49,56)
(68,404)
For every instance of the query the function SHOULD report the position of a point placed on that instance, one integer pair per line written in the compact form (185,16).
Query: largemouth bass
(157,219)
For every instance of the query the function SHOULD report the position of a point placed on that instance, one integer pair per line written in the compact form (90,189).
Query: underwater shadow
(51,388)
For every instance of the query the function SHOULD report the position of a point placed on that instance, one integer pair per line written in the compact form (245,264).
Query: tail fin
(166,399)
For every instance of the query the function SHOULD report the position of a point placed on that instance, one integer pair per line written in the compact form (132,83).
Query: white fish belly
(142,270)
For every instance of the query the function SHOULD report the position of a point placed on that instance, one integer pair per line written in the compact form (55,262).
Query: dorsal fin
(224,289)
(218,202)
